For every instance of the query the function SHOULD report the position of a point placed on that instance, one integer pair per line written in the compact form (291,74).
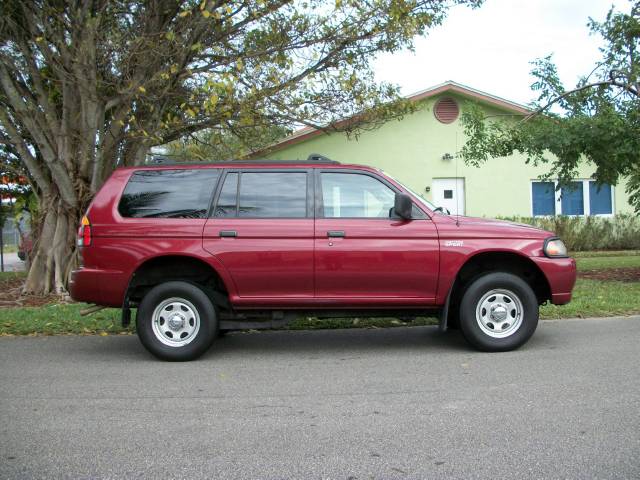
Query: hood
(491,221)
(491,227)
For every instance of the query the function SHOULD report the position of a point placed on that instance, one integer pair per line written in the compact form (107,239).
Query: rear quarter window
(168,193)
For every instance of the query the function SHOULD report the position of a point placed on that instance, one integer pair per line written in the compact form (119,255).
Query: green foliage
(222,145)
(621,232)
(160,71)
(5,212)
(16,181)
(28,203)
(605,253)
(599,119)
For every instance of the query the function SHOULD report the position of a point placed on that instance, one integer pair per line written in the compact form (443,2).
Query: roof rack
(159,160)
(317,157)
(313,158)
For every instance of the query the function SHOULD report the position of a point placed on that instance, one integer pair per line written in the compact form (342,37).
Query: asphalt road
(345,404)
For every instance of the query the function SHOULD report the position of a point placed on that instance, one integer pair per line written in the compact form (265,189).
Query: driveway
(343,404)
(12,263)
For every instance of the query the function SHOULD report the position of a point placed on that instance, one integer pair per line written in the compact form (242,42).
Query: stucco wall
(411,150)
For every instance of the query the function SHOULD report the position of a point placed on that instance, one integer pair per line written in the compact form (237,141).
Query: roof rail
(164,160)
(317,157)
(159,160)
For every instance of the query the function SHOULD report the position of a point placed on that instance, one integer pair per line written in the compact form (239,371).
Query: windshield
(417,196)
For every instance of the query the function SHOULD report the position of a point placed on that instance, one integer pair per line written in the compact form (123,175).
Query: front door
(261,231)
(449,193)
(365,257)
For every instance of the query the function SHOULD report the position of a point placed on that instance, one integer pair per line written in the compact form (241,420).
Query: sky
(490,48)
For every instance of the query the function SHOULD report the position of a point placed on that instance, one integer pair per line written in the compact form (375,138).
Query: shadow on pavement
(127,348)
(423,339)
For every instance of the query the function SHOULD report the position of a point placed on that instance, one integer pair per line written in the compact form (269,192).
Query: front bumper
(561,274)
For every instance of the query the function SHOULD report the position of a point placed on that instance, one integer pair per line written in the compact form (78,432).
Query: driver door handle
(336,234)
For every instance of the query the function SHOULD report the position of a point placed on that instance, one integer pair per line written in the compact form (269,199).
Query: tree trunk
(53,254)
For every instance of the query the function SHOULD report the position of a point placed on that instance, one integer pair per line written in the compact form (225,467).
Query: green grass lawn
(598,263)
(595,298)
(58,319)
(9,275)
(606,253)
(591,298)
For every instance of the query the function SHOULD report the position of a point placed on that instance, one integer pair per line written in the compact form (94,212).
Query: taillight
(84,232)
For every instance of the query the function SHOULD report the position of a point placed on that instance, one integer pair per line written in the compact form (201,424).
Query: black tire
(504,294)
(191,306)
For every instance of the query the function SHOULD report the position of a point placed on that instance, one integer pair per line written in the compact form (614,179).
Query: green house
(420,151)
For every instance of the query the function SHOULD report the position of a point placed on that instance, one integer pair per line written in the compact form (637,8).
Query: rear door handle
(228,233)
(335,233)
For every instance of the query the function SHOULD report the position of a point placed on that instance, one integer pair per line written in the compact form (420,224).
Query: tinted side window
(351,195)
(273,195)
(168,193)
(227,201)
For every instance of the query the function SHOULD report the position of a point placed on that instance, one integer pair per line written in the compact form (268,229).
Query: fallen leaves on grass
(11,294)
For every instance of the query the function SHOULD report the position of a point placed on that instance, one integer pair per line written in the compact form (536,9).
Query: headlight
(554,247)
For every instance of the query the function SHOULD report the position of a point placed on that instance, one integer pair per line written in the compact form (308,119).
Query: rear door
(365,257)
(261,229)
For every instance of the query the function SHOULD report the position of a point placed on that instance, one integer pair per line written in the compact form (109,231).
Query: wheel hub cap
(176,322)
(498,312)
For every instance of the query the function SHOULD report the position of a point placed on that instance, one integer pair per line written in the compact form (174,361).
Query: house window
(580,197)
(543,198)
(600,199)
(572,199)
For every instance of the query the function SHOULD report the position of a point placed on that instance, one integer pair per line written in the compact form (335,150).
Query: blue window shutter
(543,195)
(600,198)
(572,199)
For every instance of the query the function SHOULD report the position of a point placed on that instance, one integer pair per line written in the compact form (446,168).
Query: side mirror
(403,205)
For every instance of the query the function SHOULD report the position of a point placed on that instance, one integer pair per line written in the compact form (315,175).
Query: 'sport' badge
(453,243)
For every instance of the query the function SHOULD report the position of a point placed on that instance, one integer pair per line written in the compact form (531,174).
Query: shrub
(620,232)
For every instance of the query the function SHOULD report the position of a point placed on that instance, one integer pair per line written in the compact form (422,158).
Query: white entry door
(449,193)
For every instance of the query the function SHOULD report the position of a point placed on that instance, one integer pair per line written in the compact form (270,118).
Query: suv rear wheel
(498,312)
(176,321)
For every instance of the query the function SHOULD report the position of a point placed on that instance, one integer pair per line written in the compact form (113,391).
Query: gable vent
(446,110)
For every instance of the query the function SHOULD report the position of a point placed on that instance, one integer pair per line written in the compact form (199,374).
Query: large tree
(597,121)
(224,143)
(88,85)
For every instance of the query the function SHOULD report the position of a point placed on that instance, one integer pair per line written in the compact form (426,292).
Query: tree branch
(557,98)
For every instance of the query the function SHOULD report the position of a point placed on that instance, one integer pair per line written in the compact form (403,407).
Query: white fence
(10,235)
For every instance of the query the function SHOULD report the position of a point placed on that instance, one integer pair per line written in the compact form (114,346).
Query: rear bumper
(561,275)
(102,287)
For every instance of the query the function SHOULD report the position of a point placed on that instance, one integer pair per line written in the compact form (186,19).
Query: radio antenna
(457,154)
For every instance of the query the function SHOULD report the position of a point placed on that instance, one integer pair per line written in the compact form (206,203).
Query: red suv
(203,249)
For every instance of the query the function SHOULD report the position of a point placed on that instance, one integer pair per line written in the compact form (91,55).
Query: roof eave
(449,86)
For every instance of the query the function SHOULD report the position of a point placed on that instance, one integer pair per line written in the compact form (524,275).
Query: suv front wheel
(176,321)
(498,312)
